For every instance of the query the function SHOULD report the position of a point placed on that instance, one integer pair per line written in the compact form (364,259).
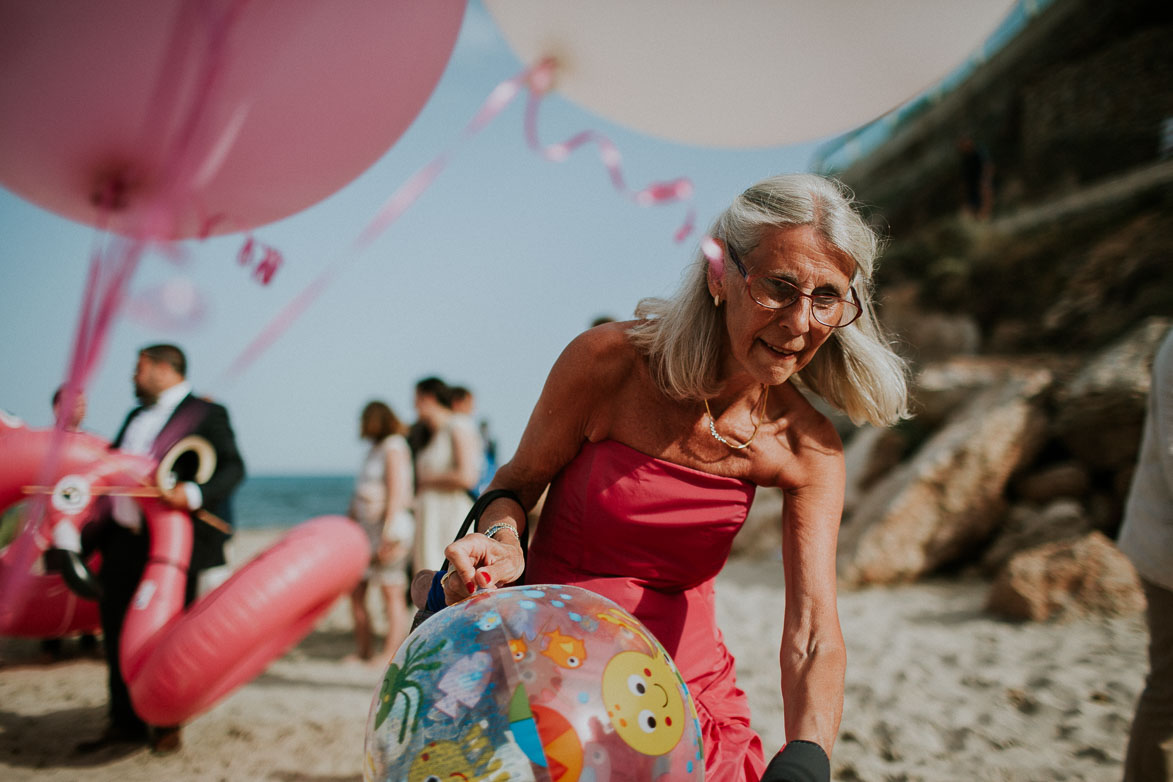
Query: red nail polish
(484,576)
(470,586)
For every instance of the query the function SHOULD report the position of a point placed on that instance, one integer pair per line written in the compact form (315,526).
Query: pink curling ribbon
(676,190)
(268,263)
(245,255)
(538,81)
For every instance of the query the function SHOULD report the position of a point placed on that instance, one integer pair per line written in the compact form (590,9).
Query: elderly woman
(652,435)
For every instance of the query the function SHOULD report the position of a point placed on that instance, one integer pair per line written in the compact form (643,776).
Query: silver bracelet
(493,530)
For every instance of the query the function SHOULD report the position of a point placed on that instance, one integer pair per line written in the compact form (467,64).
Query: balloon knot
(112,191)
(541,77)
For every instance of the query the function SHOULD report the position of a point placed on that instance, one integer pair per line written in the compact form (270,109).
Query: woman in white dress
(382,506)
(446,468)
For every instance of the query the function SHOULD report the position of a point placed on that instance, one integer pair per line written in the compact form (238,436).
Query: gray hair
(856,370)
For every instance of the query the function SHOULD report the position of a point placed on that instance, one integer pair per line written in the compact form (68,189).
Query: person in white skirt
(447,468)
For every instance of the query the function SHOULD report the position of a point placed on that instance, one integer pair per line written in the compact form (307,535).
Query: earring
(716,300)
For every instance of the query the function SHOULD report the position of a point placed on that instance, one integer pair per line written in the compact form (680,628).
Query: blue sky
(482,282)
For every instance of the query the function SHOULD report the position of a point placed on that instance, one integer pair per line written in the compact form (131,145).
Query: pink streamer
(410,191)
(537,80)
(391,210)
(110,271)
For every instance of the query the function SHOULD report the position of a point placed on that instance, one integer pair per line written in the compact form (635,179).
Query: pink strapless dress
(652,536)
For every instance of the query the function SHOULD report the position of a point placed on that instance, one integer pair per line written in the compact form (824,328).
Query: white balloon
(745,73)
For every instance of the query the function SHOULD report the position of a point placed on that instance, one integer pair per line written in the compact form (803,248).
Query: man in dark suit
(168,413)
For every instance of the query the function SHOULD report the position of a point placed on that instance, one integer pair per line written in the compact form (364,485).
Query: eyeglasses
(775,293)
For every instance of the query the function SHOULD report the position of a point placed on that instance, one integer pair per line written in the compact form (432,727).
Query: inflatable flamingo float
(35,603)
(177,662)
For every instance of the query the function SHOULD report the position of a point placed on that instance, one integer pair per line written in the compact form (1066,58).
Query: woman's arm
(466,457)
(574,405)
(397,481)
(813,657)
(466,447)
(398,488)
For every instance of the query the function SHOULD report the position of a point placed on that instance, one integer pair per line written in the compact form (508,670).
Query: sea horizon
(282,500)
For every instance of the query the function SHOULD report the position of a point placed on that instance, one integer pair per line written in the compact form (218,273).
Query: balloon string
(107,280)
(537,80)
(676,190)
(410,191)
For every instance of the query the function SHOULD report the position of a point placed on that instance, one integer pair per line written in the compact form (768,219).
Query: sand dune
(936,691)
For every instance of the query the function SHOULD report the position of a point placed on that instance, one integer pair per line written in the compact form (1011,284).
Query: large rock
(949,496)
(1067,579)
(1027,526)
(940,389)
(870,454)
(1053,481)
(1099,413)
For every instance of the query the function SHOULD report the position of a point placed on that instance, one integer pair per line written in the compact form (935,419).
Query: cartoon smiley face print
(643,700)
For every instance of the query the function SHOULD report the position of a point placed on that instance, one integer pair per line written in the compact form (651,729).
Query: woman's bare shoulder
(602,353)
(810,422)
(810,449)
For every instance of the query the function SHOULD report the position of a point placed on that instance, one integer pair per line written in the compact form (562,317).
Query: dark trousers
(1150,745)
(124,557)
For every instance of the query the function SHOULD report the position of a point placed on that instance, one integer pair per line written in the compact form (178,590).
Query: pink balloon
(198,117)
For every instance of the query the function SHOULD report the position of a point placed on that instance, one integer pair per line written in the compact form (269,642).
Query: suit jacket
(210,421)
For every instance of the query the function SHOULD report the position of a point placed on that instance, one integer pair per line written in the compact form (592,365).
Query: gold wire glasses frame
(775,293)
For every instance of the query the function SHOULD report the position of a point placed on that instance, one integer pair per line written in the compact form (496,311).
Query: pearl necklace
(738,446)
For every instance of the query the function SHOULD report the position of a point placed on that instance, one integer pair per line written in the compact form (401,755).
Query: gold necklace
(733,445)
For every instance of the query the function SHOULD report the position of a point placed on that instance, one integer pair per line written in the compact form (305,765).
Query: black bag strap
(474,514)
(478,508)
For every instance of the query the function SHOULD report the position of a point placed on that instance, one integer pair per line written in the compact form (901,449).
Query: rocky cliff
(1030,328)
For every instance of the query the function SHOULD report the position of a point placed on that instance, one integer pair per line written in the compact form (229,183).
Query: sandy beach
(936,691)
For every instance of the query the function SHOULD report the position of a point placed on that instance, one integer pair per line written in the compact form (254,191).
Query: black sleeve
(229,472)
(799,761)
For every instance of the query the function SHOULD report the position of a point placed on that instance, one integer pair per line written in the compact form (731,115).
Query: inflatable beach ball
(534,683)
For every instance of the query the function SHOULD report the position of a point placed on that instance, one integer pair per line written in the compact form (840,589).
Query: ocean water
(279,501)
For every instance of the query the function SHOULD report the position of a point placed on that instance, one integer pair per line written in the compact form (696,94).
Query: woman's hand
(477,562)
